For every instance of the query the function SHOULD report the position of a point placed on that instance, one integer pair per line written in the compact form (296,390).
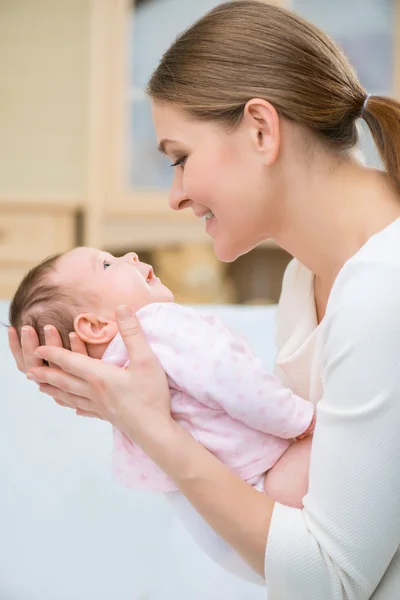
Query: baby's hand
(310,428)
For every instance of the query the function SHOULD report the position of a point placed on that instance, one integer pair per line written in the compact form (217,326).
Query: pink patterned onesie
(220,393)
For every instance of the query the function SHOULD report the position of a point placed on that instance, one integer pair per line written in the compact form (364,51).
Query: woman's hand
(95,388)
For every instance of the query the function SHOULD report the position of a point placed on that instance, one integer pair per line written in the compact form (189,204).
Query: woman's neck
(332,214)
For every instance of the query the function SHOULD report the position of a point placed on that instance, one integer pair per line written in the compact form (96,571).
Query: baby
(220,392)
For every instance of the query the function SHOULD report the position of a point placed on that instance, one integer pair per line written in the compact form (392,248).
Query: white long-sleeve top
(344,543)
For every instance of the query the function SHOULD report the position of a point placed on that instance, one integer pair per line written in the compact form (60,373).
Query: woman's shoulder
(363,312)
(372,276)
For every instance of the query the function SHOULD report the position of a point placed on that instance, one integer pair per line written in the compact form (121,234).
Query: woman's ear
(263,119)
(92,329)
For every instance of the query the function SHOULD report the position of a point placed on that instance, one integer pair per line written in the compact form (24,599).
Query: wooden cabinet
(28,233)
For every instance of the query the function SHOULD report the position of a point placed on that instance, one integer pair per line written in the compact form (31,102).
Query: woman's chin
(228,252)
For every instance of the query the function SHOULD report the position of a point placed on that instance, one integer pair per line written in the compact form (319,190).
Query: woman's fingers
(67,400)
(90,415)
(77,345)
(102,390)
(29,343)
(15,348)
(49,390)
(60,380)
(52,338)
(71,362)
(60,403)
(135,341)
(147,382)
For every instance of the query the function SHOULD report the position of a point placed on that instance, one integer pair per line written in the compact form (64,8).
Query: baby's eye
(106,264)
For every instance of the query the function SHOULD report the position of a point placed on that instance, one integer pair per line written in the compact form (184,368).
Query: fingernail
(72,337)
(37,354)
(47,331)
(31,376)
(123,313)
(25,332)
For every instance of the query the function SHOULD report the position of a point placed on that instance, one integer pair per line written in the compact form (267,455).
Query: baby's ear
(92,329)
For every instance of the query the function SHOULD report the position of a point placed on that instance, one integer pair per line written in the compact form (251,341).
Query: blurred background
(78,158)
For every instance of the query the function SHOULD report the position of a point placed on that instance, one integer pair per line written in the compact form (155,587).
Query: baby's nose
(131,257)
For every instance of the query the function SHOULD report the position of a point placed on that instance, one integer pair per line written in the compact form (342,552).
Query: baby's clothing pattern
(220,393)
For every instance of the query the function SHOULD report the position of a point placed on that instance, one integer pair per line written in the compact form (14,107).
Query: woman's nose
(178,200)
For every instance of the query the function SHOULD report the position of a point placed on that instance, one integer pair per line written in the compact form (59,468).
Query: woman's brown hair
(248,49)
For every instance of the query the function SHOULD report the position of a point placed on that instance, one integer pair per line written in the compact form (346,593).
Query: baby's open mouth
(150,275)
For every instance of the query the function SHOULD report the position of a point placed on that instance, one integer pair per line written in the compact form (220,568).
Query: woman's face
(221,176)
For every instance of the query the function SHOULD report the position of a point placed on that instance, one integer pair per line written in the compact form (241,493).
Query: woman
(257,109)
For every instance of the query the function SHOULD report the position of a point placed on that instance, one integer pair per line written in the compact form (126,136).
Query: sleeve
(213,365)
(341,543)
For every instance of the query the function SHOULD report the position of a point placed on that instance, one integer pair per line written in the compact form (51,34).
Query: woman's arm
(216,548)
(346,540)
(237,512)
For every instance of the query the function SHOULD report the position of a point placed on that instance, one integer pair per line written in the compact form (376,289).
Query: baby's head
(80,291)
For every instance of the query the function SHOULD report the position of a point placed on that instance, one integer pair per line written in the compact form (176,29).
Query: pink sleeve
(213,365)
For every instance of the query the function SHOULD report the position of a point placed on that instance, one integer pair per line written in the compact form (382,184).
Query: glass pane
(154,26)
(365,31)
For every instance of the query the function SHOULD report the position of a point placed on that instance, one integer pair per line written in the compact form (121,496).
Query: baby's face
(111,281)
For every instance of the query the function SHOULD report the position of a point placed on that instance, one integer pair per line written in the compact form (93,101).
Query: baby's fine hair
(39,302)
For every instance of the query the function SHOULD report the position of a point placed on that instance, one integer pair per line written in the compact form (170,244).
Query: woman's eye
(106,264)
(179,162)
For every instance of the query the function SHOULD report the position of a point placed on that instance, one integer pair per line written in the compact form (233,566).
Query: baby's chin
(165,295)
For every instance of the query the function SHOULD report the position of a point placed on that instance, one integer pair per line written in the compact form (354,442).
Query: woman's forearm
(236,512)
(209,541)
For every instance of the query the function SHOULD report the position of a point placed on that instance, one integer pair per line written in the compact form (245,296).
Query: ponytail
(382,116)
